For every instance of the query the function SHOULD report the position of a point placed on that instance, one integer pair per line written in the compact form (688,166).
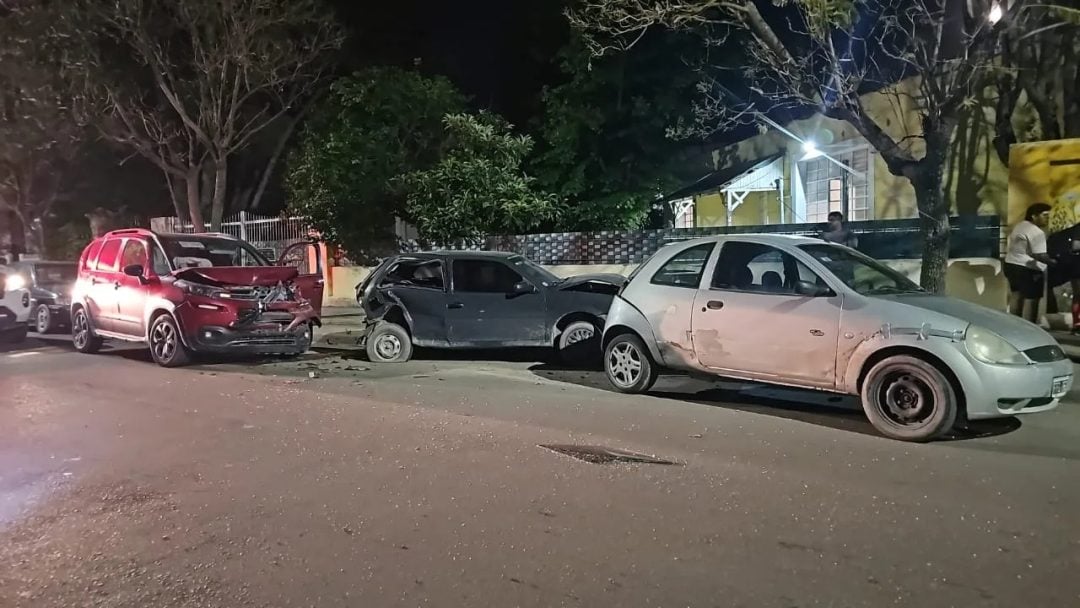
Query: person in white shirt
(1026,261)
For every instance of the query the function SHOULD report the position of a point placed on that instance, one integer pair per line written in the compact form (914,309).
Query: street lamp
(810,150)
(995,14)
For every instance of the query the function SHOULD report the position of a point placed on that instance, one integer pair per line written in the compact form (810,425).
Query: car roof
(762,238)
(499,255)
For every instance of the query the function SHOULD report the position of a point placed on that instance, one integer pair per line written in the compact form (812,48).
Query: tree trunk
(194,201)
(933,208)
(217,208)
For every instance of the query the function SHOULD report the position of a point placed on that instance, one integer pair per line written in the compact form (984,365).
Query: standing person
(836,231)
(1026,261)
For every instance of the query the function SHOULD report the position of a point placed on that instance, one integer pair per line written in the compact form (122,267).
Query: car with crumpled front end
(800,312)
(481,300)
(50,284)
(186,294)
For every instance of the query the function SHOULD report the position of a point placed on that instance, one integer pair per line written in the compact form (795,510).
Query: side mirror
(135,270)
(812,290)
(523,288)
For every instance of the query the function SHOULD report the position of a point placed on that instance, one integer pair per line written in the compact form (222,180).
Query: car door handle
(455,305)
(816,332)
(116,285)
(715,305)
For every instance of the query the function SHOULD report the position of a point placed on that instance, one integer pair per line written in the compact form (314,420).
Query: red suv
(193,293)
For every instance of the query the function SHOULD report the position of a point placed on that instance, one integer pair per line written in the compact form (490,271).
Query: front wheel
(82,335)
(389,343)
(166,347)
(629,367)
(44,322)
(909,399)
(578,343)
(15,336)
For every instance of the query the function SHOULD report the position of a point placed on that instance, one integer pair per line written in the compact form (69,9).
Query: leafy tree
(189,84)
(372,127)
(478,186)
(1040,59)
(38,133)
(604,135)
(825,54)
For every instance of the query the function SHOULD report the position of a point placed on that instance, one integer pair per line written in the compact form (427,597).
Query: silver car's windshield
(862,273)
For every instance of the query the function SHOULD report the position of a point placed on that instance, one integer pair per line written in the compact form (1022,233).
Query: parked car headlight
(198,289)
(988,347)
(13,282)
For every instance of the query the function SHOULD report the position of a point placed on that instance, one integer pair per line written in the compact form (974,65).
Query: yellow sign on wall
(1045,172)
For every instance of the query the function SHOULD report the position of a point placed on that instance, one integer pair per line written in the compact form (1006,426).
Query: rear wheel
(82,334)
(166,347)
(389,343)
(909,399)
(629,367)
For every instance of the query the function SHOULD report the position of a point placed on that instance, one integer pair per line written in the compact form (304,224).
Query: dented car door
(418,287)
(491,304)
(760,317)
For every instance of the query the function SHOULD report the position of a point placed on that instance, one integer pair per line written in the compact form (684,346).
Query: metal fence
(269,234)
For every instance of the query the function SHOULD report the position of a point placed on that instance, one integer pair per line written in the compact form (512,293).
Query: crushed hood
(239,275)
(1018,332)
(606,278)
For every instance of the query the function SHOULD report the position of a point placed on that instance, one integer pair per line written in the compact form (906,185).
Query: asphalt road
(235,485)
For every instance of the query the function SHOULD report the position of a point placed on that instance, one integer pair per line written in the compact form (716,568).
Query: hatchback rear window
(685,268)
(91,254)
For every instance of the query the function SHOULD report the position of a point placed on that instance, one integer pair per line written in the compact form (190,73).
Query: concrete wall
(977,280)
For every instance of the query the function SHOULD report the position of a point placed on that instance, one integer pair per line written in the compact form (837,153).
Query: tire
(389,343)
(166,345)
(16,336)
(44,323)
(578,343)
(82,333)
(909,399)
(628,365)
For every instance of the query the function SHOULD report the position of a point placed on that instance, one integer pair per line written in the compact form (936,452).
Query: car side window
(685,268)
(134,253)
(158,261)
(110,252)
(427,274)
(484,276)
(90,261)
(759,268)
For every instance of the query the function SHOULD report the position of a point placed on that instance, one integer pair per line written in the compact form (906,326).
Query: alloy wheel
(581,334)
(80,330)
(163,341)
(624,364)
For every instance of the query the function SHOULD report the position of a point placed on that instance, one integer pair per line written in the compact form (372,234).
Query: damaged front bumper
(213,325)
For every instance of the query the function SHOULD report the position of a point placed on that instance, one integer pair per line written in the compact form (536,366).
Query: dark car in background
(50,284)
(459,300)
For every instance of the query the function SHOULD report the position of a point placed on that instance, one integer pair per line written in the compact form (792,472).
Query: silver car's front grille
(1045,354)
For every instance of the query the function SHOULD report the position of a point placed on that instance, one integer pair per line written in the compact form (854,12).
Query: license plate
(1060,386)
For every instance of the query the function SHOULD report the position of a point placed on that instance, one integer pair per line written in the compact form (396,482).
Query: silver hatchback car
(801,312)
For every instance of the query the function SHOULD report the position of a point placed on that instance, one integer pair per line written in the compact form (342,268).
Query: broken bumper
(232,327)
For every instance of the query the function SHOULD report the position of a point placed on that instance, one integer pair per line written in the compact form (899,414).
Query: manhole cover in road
(598,454)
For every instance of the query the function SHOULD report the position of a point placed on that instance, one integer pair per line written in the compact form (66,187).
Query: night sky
(499,52)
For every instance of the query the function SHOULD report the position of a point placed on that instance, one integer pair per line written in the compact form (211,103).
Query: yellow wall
(977,184)
(1032,179)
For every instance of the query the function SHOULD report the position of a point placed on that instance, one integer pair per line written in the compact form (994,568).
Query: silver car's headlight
(14,282)
(988,347)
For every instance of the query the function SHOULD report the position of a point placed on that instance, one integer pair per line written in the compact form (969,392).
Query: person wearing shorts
(1025,262)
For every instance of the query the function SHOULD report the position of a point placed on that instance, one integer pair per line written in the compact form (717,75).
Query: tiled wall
(972,237)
